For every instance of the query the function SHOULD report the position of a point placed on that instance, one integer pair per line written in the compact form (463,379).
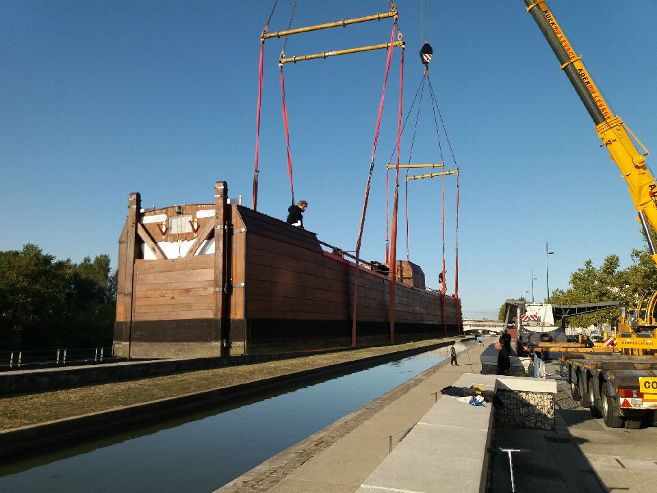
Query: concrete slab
(445,451)
(433,458)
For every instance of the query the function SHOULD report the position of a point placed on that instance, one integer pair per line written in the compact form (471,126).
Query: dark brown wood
(267,287)
(220,279)
(132,251)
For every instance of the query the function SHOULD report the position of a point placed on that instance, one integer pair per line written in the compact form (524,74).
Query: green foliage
(47,303)
(589,284)
(501,312)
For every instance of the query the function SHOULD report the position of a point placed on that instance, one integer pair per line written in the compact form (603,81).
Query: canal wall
(22,441)
(20,381)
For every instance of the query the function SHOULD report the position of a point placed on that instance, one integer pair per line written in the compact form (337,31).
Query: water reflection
(203,451)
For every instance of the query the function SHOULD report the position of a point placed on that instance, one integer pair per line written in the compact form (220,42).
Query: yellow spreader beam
(436,165)
(349,51)
(328,25)
(432,175)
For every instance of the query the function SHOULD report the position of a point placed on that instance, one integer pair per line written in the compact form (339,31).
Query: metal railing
(32,359)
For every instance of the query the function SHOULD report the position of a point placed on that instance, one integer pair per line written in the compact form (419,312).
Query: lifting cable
(443,272)
(458,174)
(410,152)
(420,88)
(369,181)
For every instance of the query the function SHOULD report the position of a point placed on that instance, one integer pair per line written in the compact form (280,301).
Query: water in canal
(203,451)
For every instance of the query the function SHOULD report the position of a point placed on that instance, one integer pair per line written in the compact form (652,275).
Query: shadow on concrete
(549,461)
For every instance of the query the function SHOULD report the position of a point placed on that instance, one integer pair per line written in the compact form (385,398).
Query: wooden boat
(202,280)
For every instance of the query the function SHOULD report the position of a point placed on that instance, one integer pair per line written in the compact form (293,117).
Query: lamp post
(533,279)
(547,270)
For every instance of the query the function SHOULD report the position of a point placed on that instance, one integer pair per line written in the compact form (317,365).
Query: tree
(591,285)
(46,303)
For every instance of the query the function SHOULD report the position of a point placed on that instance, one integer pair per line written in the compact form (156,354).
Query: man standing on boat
(295,214)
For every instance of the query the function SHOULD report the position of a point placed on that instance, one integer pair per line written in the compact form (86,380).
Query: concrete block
(527,384)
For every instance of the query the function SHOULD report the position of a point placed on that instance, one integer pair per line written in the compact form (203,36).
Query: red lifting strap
(354,317)
(254,198)
(456,280)
(287,136)
(395,206)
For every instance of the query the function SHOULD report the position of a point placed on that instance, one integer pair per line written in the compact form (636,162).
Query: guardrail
(31,359)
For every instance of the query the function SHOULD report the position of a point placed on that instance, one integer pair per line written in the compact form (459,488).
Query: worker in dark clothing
(452,354)
(587,341)
(505,340)
(503,360)
(295,214)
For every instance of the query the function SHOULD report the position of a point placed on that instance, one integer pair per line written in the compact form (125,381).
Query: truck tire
(633,423)
(545,337)
(595,412)
(609,409)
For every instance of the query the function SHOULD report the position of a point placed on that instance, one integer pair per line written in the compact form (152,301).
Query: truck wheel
(633,423)
(609,409)
(594,410)
(649,419)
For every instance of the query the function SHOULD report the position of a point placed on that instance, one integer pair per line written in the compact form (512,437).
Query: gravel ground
(31,409)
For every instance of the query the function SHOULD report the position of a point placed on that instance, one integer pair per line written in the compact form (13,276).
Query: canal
(201,452)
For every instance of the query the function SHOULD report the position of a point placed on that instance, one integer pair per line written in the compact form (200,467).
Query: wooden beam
(220,278)
(148,239)
(131,253)
(202,236)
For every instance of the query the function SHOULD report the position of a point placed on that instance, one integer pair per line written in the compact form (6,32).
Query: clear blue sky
(99,99)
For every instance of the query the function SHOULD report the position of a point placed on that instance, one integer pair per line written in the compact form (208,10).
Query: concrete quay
(580,455)
(342,456)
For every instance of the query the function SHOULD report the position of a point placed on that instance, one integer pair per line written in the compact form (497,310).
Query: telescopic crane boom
(616,137)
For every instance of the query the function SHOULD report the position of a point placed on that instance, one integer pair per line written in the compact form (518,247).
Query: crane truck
(621,387)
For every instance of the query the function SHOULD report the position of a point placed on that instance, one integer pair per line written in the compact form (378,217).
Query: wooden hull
(264,287)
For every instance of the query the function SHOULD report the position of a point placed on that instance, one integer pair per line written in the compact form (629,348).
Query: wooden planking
(154,229)
(191,305)
(258,223)
(174,293)
(174,265)
(286,280)
(145,287)
(177,314)
(171,301)
(192,275)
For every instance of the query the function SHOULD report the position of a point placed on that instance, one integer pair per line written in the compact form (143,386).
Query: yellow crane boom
(615,135)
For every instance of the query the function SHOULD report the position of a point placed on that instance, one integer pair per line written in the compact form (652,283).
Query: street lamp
(547,270)
(533,279)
